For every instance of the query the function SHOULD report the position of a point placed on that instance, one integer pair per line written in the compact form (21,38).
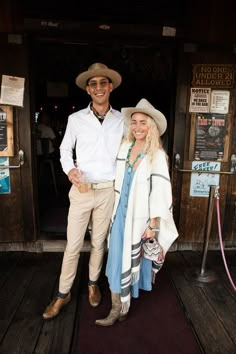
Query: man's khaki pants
(100,203)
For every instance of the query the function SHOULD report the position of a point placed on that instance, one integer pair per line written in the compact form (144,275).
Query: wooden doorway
(148,71)
(17,221)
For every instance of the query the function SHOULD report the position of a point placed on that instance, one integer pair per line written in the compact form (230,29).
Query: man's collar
(89,108)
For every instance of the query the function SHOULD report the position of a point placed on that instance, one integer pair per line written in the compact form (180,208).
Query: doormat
(156,323)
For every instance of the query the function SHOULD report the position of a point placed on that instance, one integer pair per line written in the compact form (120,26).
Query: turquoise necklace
(130,166)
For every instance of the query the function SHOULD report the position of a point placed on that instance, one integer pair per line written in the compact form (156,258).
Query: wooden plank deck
(210,307)
(29,280)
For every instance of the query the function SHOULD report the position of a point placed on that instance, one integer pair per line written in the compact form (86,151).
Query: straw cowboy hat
(145,107)
(98,69)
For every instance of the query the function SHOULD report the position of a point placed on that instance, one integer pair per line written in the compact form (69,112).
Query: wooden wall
(191,212)
(206,33)
(11,16)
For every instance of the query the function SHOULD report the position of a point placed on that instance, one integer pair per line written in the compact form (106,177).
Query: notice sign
(201,182)
(12,90)
(200,100)
(4,176)
(219,101)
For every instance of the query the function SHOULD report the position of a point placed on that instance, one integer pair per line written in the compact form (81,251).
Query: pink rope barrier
(221,243)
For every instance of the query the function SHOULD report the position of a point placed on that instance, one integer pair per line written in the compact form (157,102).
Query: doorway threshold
(40,246)
(59,245)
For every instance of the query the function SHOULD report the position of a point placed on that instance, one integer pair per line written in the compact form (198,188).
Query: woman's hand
(148,234)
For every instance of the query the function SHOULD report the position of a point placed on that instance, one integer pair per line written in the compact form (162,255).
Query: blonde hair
(153,140)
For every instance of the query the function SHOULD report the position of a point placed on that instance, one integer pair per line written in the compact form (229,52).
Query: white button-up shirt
(96,145)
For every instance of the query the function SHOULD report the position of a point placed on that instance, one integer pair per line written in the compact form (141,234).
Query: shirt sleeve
(67,146)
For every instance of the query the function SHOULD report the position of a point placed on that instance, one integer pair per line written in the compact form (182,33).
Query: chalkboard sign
(6,131)
(3,130)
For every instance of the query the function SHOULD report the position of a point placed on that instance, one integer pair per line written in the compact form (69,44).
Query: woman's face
(139,126)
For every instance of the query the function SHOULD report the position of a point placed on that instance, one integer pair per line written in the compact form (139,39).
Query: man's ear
(87,89)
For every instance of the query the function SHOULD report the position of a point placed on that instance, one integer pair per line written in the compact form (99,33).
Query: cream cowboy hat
(145,107)
(98,69)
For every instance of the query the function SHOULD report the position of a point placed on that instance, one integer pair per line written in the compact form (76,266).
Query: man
(45,131)
(94,134)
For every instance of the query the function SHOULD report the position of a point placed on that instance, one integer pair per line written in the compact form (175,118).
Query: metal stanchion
(205,275)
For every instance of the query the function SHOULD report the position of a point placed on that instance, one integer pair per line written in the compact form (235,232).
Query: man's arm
(66,148)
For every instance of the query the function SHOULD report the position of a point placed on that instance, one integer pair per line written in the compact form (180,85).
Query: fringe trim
(134,277)
(155,269)
(153,277)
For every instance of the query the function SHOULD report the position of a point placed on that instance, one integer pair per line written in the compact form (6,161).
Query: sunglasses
(95,84)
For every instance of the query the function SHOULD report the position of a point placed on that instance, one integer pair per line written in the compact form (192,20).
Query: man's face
(99,88)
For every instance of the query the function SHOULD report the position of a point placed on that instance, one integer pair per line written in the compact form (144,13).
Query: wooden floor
(29,280)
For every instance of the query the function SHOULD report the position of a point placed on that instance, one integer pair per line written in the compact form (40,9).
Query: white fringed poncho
(150,197)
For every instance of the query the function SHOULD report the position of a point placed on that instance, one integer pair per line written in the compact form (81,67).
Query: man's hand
(74,176)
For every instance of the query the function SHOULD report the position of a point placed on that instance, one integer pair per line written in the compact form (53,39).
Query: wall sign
(213,75)
(199,99)
(201,182)
(6,131)
(12,90)
(220,101)
(4,176)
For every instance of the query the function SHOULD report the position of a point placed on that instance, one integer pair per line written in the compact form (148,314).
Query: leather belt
(101,185)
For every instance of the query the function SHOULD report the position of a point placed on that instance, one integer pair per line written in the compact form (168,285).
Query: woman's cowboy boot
(115,313)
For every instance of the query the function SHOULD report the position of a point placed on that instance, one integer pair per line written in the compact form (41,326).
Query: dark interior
(160,12)
(66,40)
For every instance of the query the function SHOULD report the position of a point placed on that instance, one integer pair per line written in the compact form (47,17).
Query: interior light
(105,27)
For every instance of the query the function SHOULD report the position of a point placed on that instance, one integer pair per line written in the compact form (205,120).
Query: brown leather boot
(94,295)
(115,313)
(55,307)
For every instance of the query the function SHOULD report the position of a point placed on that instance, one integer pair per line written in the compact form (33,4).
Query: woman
(142,211)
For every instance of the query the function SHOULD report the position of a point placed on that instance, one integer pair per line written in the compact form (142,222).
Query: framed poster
(6,131)
(209,139)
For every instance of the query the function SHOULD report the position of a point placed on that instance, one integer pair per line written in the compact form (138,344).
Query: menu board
(210,130)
